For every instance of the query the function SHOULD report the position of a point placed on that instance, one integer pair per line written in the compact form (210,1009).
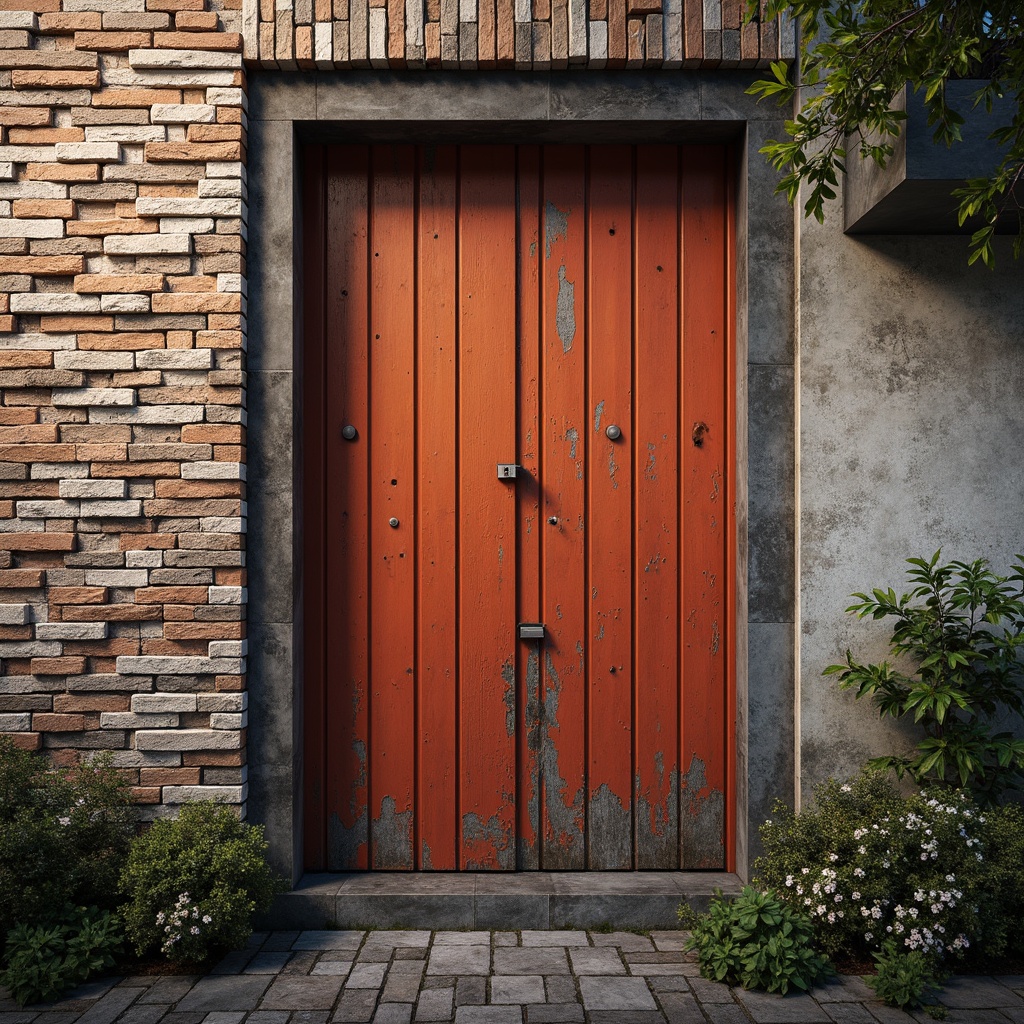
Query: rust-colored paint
(469,306)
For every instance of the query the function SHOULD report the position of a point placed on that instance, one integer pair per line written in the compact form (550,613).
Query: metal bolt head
(613,432)
(393,523)
(349,432)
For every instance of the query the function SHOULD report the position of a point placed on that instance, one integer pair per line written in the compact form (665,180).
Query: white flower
(193,930)
(858,872)
(833,857)
(207,919)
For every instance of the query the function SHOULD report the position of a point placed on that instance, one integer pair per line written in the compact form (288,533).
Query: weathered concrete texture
(911,370)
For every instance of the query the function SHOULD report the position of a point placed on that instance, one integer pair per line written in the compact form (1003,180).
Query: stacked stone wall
(122,389)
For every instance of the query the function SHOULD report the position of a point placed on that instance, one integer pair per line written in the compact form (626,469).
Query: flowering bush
(872,867)
(194,883)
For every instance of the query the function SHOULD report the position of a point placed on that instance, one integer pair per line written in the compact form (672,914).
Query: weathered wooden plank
(610,510)
(392,486)
(487,556)
(436,500)
(564,438)
(656,543)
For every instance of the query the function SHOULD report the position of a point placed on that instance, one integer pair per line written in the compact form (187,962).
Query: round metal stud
(613,432)
(349,432)
(393,523)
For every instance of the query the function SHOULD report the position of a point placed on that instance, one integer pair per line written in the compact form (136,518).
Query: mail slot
(531,630)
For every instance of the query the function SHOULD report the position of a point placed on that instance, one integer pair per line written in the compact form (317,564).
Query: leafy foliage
(856,57)
(44,961)
(904,978)
(931,872)
(194,883)
(962,627)
(63,835)
(756,941)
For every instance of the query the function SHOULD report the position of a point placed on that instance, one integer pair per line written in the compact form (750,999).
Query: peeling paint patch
(716,478)
(533,250)
(508,675)
(494,839)
(528,855)
(715,637)
(657,817)
(345,843)
(702,835)
(649,473)
(572,435)
(565,310)
(391,834)
(564,810)
(598,413)
(556,225)
(425,859)
(609,832)
(613,468)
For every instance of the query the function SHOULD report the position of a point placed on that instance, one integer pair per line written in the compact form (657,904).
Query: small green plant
(962,628)
(64,834)
(905,978)
(43,961)
(193,884)
(756,941)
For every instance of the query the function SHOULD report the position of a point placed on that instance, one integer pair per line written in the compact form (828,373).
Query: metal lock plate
(507,470)
(531,630)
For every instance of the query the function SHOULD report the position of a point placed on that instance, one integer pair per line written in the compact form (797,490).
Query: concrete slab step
(514,901)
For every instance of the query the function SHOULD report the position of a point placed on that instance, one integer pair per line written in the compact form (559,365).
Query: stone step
(539,900)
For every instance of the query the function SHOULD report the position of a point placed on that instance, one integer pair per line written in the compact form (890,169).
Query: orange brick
(24,740)
(86,433)
(195,21)
(37,453)
(204,631)
(101,453)
(189,302)
(7,323)
(112,42)
(192,283)
(212,433)
(9,415)
(77,595)
(55,79)
(114,97)
(27,115)
(46,722)
(198,40)
(114,283)
(215,133)
(19,578)
(60,266)
(198,488)
(213,758)
(44,136)
(127,341)
(171,595)
(16,632)
(113,226)
(228,577)
(110,648)
(171,6)
(38,6)
(12,359)
(105,469)
(111,612)
(62,172)
(218,339)
(63,208)
(57,667)
(65,324)
(145,794)
(37,542)
(164,152)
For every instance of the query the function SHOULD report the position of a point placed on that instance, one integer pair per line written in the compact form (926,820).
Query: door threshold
(495,901)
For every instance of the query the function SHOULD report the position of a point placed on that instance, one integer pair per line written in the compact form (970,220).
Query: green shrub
(756,941)
(44,961)
(932,873)
(962,628)
(904,977)
(64,835)
(194,883)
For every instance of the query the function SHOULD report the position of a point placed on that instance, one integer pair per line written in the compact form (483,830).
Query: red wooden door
(566,310)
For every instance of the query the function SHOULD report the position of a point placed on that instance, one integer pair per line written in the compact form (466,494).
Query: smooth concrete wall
(911,375)
(673,106)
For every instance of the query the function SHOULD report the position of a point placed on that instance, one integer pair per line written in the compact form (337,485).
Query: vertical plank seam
(585,432)
(457,354)
(416,433)
(370,165)
(680,503)
(633,581)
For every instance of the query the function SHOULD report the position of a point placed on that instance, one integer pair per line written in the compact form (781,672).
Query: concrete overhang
(912,194)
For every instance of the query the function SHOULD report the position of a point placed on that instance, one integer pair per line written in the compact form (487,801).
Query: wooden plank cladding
(525,35)
(564,311)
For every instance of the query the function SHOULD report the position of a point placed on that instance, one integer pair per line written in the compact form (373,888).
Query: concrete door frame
(288,108)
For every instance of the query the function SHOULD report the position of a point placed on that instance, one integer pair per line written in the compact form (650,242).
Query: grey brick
(768,1008)
(455,960)
(403,986)
(435,1004)
(169,990)
(616,994)
(225,992)
(109,1007)
(517,988)
(680,1008)
(302,993)
(470,990)
(393,1013)
(267,963)
(556,1013)
(367,976)
(539,960)
(488,1015)
(596,961)
(325,939)
(555,938)
(356,1005)
(560,989)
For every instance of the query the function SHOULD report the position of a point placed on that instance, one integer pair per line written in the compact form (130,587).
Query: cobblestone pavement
(539,977)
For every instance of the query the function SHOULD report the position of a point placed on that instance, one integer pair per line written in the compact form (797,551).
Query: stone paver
(517,988)
(480,977)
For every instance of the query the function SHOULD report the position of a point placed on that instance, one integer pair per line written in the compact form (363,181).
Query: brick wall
(122,423)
